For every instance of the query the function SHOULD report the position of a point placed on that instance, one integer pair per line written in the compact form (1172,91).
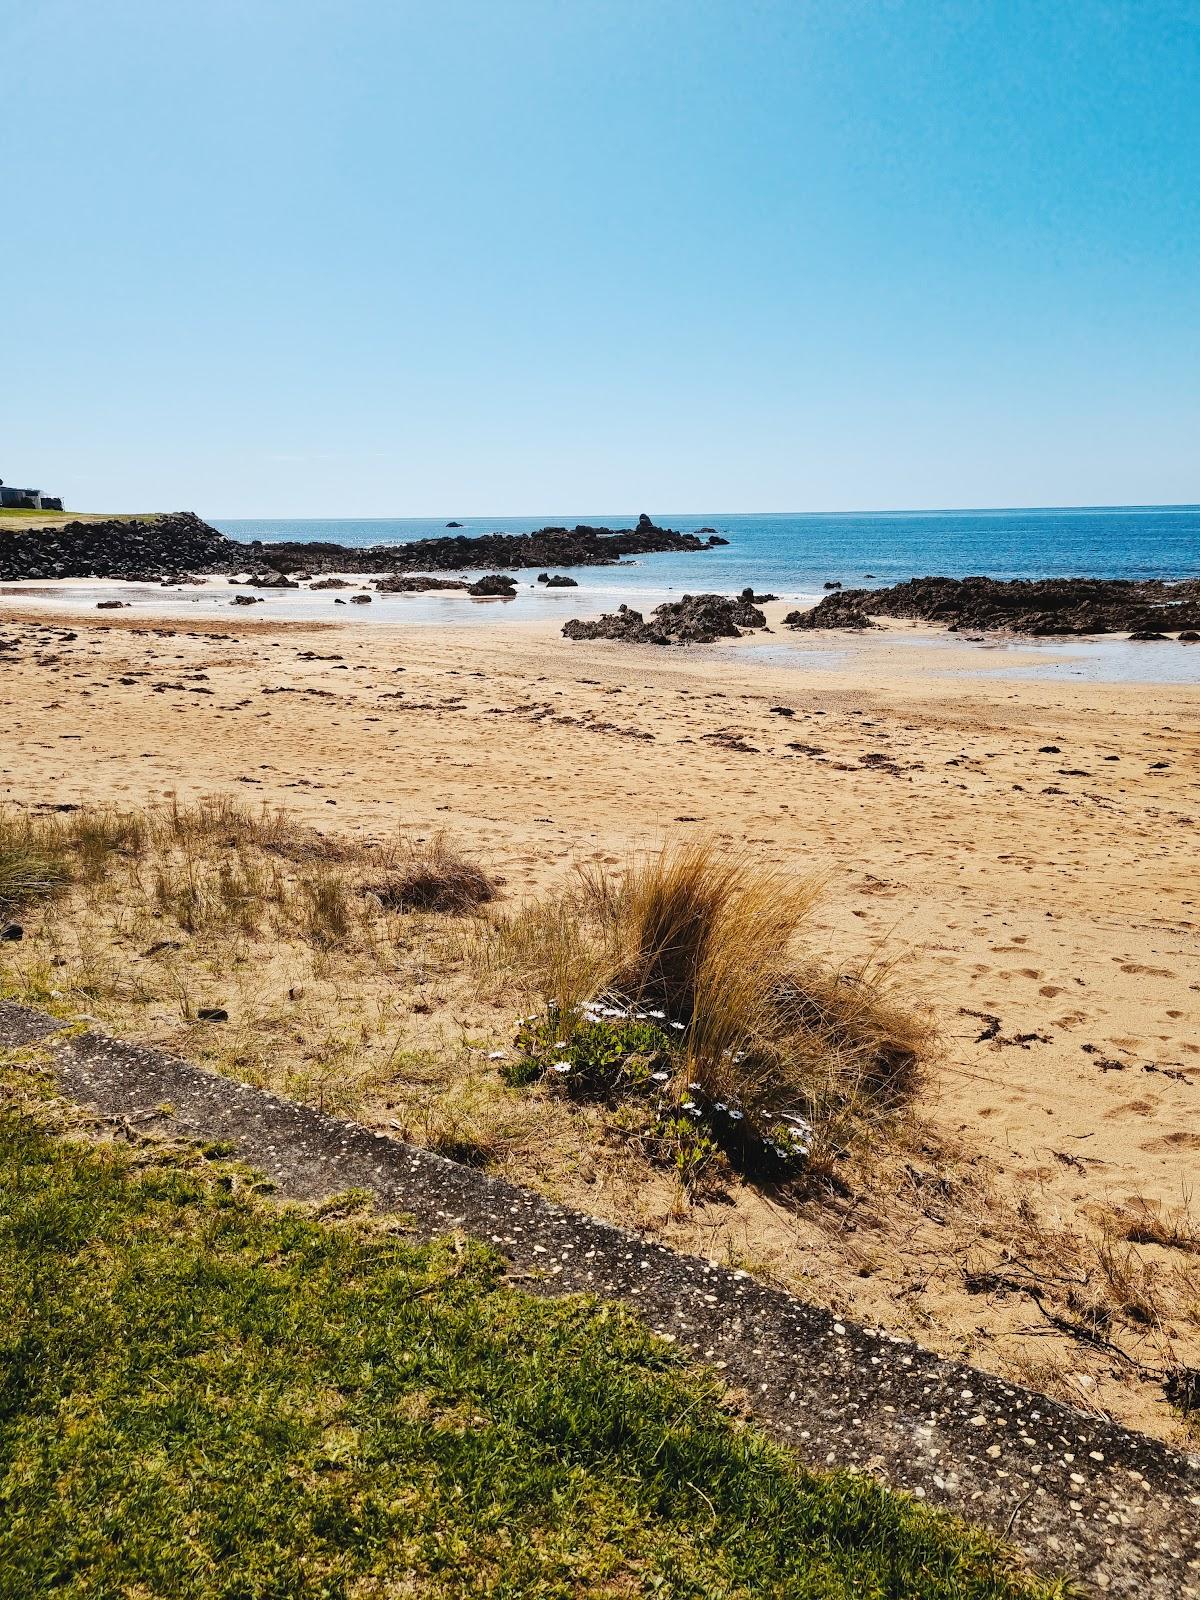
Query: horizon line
(876,511)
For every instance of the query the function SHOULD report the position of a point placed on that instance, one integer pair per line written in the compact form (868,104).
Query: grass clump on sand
(433,876)
(761,1048)
(204,1394)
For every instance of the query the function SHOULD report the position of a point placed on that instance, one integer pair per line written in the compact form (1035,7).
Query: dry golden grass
(432,876)
(143,920)
(716,945)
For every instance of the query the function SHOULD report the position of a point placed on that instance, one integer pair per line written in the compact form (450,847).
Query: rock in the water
(751,599)
(418,583)
(112,605)
(695,619)
(360,599)
(271,580)
(247,600)
(559,580)
(454,524)
(1040,607)
(833,585)
(494,583)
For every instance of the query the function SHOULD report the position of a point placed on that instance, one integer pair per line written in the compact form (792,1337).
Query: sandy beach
(1024,849)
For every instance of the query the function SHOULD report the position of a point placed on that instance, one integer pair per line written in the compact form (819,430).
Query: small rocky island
(1040,607)
(146,550)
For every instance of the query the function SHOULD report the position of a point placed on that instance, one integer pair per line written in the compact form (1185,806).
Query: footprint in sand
(1137,1108)
(1171,1142)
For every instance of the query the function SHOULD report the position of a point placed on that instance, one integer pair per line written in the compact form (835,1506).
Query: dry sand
(1055,890)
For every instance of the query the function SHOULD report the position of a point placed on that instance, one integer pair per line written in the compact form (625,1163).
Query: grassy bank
(207,1394)
(22,517)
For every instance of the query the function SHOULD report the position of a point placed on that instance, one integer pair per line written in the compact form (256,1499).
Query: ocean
(795,555)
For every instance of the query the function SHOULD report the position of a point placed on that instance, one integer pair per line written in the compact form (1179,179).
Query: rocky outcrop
(547,548)
(270,580)
(415,584)
(135,549)
(494,584)
(557,580)
(695,619)
(1044,606)
(144,549)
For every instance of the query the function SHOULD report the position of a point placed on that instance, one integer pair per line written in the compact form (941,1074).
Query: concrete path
(1113,1508)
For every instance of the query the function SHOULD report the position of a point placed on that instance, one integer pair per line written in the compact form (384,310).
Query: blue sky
(371,257)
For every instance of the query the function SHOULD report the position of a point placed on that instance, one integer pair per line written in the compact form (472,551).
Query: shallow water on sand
(1096,660)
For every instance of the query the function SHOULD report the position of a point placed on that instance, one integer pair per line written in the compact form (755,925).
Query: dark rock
(454,524)
(1147,634)
(333,583)
(848,617)
(782,711)
(560,581)
(418,584)
(213,1014)
(133,549)
(1189,636)
(706,530)
(360,599)
(1039,607)
(832,586)
(271,580)
(12,933)
(112,605)
(714,539)
(494,583)
(247,600)
(749,597)
(695,619)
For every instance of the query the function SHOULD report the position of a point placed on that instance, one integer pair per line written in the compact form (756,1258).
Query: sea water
(796,555)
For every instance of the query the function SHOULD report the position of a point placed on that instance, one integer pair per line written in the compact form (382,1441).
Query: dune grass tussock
(432,876)
(207,1394)
(780,1053)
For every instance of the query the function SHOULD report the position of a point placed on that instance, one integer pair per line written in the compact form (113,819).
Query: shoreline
(536,612)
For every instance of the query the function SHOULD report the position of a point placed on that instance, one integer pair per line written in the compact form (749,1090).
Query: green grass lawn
(203,1393)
